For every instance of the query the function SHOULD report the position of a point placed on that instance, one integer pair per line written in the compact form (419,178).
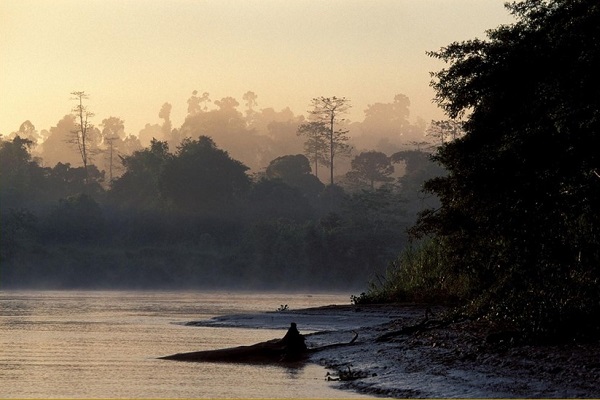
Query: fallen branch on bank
(425,325)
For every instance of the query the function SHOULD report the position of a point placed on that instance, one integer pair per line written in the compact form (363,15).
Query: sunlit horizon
(131,57)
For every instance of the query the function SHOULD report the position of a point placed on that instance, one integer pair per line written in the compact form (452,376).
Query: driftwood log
(290,348)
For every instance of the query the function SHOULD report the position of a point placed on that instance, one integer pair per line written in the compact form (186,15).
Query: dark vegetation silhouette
(516,238)
(370,167)
(228,199)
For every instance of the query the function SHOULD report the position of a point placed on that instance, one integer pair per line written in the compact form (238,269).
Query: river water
(105,344)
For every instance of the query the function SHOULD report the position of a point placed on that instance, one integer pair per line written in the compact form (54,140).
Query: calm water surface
(96,344)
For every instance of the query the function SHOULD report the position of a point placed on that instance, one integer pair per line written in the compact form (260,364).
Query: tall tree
(521,201)
(112,133)
(84,129)
(315,146)
(330,110)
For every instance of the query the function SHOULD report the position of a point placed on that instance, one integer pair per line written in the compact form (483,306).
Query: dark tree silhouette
(82,135)
(329,110)
(138,187)
(315,146)
(15,171)
(369,167)
(288,167)
(203,179)
(294,170)
(521,201)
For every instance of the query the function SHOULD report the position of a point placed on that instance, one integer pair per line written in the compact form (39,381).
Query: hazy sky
(131,56)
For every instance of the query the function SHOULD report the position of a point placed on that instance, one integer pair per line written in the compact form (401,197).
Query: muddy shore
(453,361)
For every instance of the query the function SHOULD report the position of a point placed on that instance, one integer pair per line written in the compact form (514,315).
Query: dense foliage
(189,218)
(520,205)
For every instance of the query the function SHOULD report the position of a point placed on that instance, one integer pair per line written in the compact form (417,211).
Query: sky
(131,56)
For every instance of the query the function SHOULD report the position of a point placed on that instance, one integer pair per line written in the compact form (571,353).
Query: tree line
(194,216)
(254,136)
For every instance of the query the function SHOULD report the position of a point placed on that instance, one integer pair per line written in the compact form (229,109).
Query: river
(105,344)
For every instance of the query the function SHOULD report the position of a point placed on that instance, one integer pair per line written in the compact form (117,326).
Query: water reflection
(105,344)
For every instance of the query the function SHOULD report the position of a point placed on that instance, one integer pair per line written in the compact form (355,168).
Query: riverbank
(453,361)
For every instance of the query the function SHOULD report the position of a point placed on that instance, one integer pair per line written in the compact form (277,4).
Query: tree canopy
(521,202)
(369,167)
(203,178)
(15,170)
(139,186)
(294,170)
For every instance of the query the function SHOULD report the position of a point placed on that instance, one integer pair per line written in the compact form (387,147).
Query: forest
(496,209)
(230,199)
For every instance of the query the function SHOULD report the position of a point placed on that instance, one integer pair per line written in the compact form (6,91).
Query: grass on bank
(555,309)
(419,274)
